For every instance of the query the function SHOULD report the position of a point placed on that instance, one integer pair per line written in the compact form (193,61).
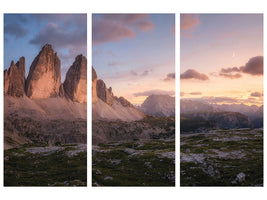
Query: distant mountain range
(203,115)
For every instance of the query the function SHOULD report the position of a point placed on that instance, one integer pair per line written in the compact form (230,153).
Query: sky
(135,54)
(222,58)
(26,34)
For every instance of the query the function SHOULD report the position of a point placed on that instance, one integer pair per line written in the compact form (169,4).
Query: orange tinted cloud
(189,21)
(145,25)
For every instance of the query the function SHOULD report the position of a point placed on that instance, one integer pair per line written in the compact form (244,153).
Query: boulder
(44,77)
(14,79)
(75,84)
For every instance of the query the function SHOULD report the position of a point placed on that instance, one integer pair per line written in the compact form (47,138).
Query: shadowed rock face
(75,84)
(94,82)
(103,93)
(44,76)
(14,79)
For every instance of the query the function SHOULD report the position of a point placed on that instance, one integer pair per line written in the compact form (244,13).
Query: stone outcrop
(124,102)
(94,82)
(75,84)
(103,93)
(44,77)
(14,79)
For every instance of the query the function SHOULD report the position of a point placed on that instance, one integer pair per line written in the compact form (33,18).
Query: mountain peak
(44,77)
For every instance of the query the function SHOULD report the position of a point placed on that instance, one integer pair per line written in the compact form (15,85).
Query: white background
(126,6)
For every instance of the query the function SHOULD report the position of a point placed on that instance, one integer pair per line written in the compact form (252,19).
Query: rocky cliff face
(44,77)
(106,106)
(14,79)
(124,102)
(94,82)
(75,84)
(103,93)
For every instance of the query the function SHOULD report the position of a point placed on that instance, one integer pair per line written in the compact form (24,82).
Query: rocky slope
(106,106)
(159,105)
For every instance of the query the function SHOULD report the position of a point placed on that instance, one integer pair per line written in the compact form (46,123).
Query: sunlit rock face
(75,84)
(14,79)
(44,77)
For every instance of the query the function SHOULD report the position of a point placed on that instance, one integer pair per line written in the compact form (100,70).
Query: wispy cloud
(188,24)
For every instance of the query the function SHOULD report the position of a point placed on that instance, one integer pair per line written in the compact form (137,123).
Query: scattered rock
(108,178)
(240,177)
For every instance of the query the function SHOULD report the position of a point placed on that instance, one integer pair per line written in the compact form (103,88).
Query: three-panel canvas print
(133,100)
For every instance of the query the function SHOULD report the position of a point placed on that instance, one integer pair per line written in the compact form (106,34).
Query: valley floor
(63,165)
(137,163)
(218,157)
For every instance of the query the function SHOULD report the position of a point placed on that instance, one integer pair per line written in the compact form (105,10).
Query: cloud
(15,29)
(145,26)
(104,31)
(126,19)
(114,63)
(188,24)
(133,73)
(193,74)
(115,27)
(182,94)
(78,20)
(155,92)
(231,76)
(253,67)
(256,94)
(170,77)
(195,93)
(145,73)
(62,38)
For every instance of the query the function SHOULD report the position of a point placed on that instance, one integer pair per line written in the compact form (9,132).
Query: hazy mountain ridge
(159,105)
(204,115)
